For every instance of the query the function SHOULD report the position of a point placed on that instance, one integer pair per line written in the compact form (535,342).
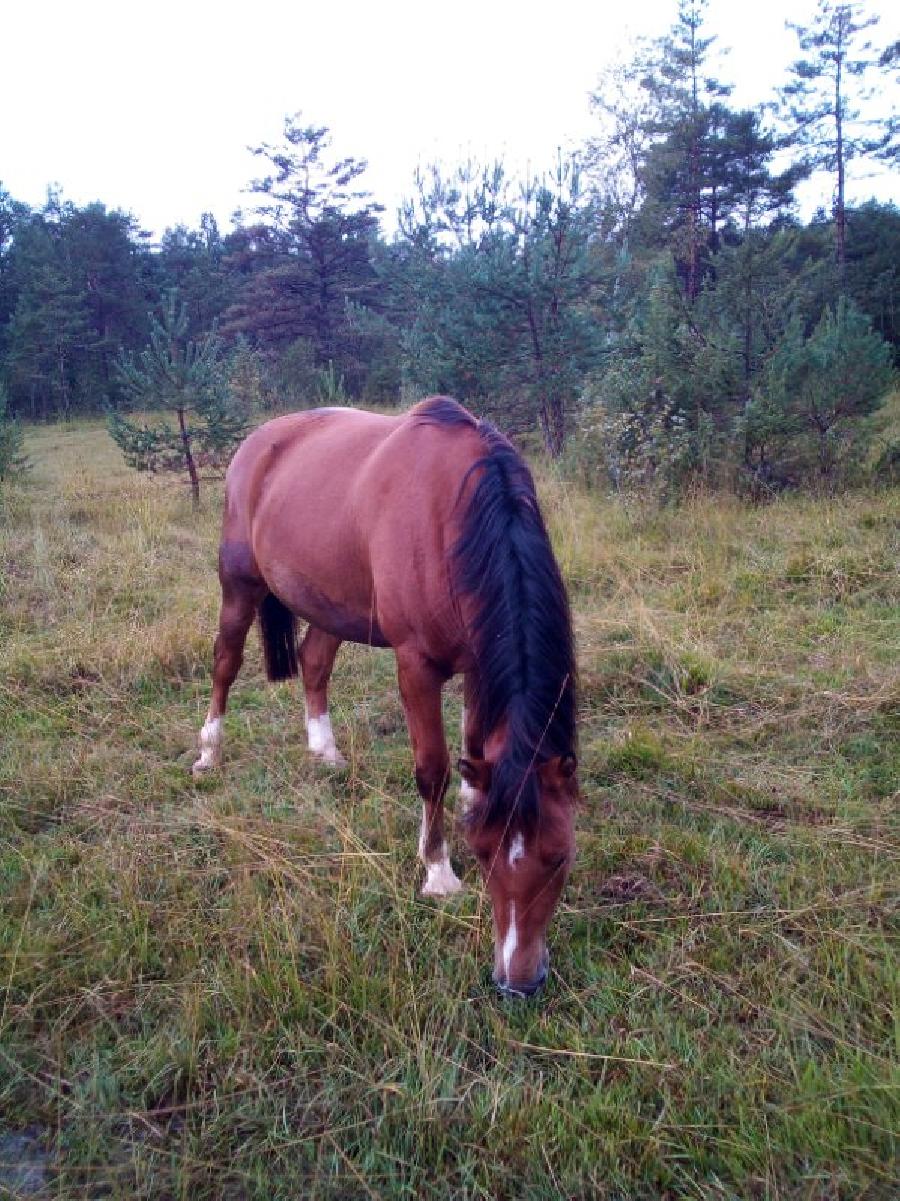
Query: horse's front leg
(471,738)
(420,687)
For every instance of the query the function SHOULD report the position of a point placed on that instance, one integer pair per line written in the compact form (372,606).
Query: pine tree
(679,185)
(105,269)
(873,266)
(309,255)
(49,335)
(501,280)
(747,197)
(247,380)
(12,456)
(185,378)
(629,116)
(13,214)
(816,391)
(195,262)
(71,280)
(821,104)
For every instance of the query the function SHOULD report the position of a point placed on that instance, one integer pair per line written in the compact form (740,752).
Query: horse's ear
(558,769)
(476,773)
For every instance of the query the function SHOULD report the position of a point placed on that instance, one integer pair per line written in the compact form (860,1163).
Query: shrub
(809,414)
(185,379)
(12,457)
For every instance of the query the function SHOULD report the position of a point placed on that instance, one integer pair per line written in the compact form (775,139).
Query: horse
(420,532)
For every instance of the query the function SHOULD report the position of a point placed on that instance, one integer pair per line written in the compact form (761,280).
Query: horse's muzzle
(524,990)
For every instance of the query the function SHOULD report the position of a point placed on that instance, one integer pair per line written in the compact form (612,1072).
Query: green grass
(232,989)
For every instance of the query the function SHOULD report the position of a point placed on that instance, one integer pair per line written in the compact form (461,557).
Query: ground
(232,988)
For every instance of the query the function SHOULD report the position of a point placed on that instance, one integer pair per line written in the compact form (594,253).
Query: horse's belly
(347,620)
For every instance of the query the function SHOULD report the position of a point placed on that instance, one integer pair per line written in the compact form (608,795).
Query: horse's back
(348,516)
(300,448)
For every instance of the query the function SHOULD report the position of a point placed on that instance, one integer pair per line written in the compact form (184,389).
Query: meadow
(231,988)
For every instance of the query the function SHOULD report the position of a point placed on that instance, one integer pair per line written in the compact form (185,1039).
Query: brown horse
(420,532)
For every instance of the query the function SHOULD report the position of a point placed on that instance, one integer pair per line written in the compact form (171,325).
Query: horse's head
(524,867)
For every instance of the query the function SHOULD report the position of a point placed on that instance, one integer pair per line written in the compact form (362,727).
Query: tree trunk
(544,422)
(189,460)
(63,382)
(748,320)
(694,213)
(553,426)
(693,279)
(840,215)
(824,456)
(550,414)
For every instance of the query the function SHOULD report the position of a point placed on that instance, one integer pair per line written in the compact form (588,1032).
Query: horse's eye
(556,862)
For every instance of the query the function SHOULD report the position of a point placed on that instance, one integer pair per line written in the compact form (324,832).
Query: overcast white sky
(151,107)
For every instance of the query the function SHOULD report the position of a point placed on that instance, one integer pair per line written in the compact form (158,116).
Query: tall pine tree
(821,106)
(310,255)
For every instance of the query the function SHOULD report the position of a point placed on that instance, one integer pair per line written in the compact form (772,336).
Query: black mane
(522,635)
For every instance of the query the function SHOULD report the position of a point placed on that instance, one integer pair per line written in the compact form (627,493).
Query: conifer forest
(651,305)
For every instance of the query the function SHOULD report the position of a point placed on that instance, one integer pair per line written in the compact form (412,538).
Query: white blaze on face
(510,942)
(516,850)
(210,744)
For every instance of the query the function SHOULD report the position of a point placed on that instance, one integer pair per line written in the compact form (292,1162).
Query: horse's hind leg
(420,688)
(240,599)
(317,653)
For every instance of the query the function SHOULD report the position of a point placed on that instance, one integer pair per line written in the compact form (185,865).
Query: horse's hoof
(441,881)
(330,758)
(454,891)
(201,769)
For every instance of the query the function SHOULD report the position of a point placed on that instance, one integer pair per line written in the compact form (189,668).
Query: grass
(232,989)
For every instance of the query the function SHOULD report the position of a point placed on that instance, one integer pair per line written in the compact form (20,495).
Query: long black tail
(278,630)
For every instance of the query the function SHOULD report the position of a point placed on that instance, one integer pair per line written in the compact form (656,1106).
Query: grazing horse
(421,532)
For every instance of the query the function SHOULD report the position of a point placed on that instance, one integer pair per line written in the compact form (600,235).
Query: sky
(151,108)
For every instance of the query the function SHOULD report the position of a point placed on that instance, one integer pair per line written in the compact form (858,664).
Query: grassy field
(232,988)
